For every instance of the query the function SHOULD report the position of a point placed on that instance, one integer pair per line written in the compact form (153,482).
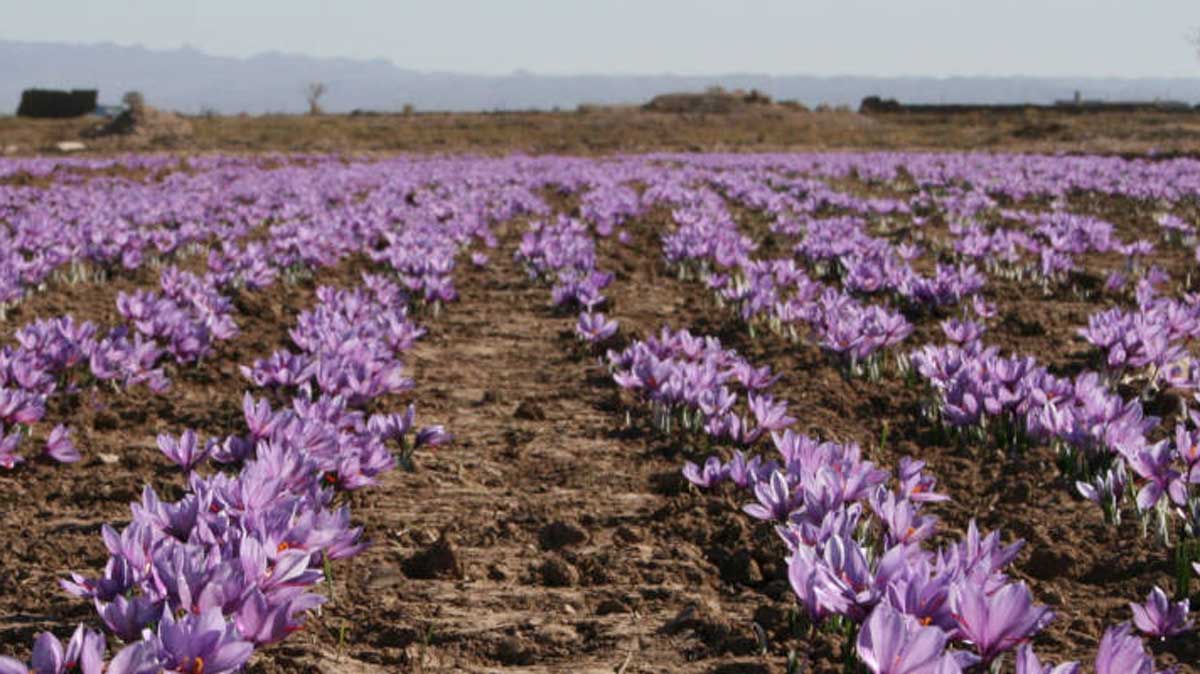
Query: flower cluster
(563,252)
(349,345)
(197,584)
(1149,342)
(694,384)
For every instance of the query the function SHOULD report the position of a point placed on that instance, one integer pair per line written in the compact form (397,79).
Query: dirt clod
(1045,564)
(439,560)
(611,606)
(529,411)
(561,534)
(513,651)
(558,572)
(741,568)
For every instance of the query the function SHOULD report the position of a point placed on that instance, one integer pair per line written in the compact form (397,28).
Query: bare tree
(314,93)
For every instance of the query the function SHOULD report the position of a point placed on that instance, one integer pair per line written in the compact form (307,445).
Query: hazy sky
(826,37)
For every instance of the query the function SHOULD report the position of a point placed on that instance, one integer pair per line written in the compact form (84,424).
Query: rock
(560,534)
(439,560)
(110,459)
(558,572)
(68,146)
(529,411)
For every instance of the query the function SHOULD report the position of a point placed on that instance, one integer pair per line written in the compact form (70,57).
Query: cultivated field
(629,129)
(820,412)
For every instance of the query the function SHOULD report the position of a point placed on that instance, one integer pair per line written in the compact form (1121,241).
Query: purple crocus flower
(139,658)
(259,418)
(713,472)
(996,622)
(21,407)
(60,447)
(9,444)
(202,644)
(128,617)
(770,414)
(432,436)
(1159,617)
(185,451)
(1155,464)
(775,499)
(887,644)
(1123,653)
(915,485)
(84,653)
(982,308)
(744,472)
(1107,489)
(595,327)
(1028,663)
(263,623)
(905,524)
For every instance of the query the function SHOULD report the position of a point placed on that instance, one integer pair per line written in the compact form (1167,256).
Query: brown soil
(629,129)
(550,536)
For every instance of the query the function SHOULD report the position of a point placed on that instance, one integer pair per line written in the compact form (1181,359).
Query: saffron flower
(1160,617)
(996,622)
(1028,663)
(888,644)
(60,447)
(185,451)
(202,644)
(1122,653)
(595,327)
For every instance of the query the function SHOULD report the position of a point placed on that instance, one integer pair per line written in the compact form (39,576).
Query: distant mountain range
(191,81)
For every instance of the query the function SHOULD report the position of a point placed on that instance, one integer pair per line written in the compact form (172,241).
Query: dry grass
(611,130)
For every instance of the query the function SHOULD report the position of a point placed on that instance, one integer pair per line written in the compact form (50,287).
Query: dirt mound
(714,100)
(143,125)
